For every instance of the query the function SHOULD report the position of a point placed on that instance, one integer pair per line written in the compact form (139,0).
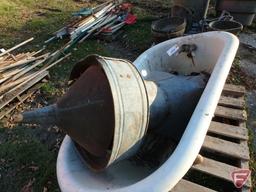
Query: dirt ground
(28,153)
(247,55)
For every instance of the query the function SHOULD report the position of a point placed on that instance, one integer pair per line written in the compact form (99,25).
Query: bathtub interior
(118,175)
(128,172)
(206,55)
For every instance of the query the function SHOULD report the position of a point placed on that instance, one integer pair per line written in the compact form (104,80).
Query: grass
(252,157)
(24,18)
(235,76)
(27,160)
(139,35)
(60,73)
(238,76)
(24,160)
(81,51)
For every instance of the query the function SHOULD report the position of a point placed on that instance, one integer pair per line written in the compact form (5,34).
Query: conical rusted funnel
(105,111)
(109,108)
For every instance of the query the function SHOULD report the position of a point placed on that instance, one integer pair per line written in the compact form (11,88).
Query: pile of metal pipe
(106,18)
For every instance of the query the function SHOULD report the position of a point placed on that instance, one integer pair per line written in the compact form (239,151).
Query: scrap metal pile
(19,75)
(104,19)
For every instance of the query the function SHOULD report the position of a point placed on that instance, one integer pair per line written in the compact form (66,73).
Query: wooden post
(16,47)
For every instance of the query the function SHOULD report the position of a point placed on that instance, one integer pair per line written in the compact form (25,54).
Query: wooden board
(229,113)
(187,186)
(217,169)
(229,141)
(238,103)
(8,98)
(226,148)
(21,99)
(228,130)
(233,90)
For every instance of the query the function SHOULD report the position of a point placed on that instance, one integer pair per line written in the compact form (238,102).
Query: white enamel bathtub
(215,53)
